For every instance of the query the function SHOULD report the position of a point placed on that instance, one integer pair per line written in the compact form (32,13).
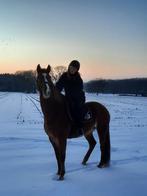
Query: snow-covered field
(27,161)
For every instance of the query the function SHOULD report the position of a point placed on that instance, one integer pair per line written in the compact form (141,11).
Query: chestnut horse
(59,127)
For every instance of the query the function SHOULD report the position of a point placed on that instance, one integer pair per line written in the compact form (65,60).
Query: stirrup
(88,116)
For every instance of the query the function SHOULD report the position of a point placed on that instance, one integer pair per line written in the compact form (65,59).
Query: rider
(72,84)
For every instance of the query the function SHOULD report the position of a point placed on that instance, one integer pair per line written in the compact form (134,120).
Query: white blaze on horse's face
(46,94)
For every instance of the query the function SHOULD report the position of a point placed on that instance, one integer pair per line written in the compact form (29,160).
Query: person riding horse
(59,128)
(72,84)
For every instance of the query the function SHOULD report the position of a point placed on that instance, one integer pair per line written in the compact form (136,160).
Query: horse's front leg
(62,155)
(56,153)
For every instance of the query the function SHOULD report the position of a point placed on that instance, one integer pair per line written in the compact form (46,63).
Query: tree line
(25,81)
(134,86)
(19,82)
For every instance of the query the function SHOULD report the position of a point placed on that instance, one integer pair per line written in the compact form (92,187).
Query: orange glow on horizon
(88,71)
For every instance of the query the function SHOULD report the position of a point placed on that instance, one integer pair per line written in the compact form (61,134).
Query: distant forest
(24,81)
(134,86)
(18,82)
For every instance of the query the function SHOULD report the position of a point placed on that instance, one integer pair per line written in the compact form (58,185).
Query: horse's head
(44,83)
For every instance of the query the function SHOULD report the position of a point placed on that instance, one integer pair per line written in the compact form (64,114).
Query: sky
(108,37)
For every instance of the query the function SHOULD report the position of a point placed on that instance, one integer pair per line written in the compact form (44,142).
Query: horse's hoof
(84,163)
(61,178)
(103,165)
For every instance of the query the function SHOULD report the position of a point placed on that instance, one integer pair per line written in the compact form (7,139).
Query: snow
(27,160)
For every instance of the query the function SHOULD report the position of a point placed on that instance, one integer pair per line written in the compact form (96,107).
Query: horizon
(107,37)
(85,81)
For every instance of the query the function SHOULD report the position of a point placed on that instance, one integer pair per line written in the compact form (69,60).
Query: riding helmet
(75,64)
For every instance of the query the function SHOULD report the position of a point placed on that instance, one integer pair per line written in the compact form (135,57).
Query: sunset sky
(108,37)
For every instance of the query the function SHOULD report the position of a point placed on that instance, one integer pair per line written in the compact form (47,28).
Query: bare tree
(57,72)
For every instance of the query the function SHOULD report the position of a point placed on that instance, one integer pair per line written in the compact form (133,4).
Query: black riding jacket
(73,87)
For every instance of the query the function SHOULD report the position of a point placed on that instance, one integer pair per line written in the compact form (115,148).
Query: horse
(59,127)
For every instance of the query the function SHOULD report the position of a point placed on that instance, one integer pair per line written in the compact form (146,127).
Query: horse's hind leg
(104,138)
(92,144)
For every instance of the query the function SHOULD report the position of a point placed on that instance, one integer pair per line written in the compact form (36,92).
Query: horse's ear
(38,68)
(48,68)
